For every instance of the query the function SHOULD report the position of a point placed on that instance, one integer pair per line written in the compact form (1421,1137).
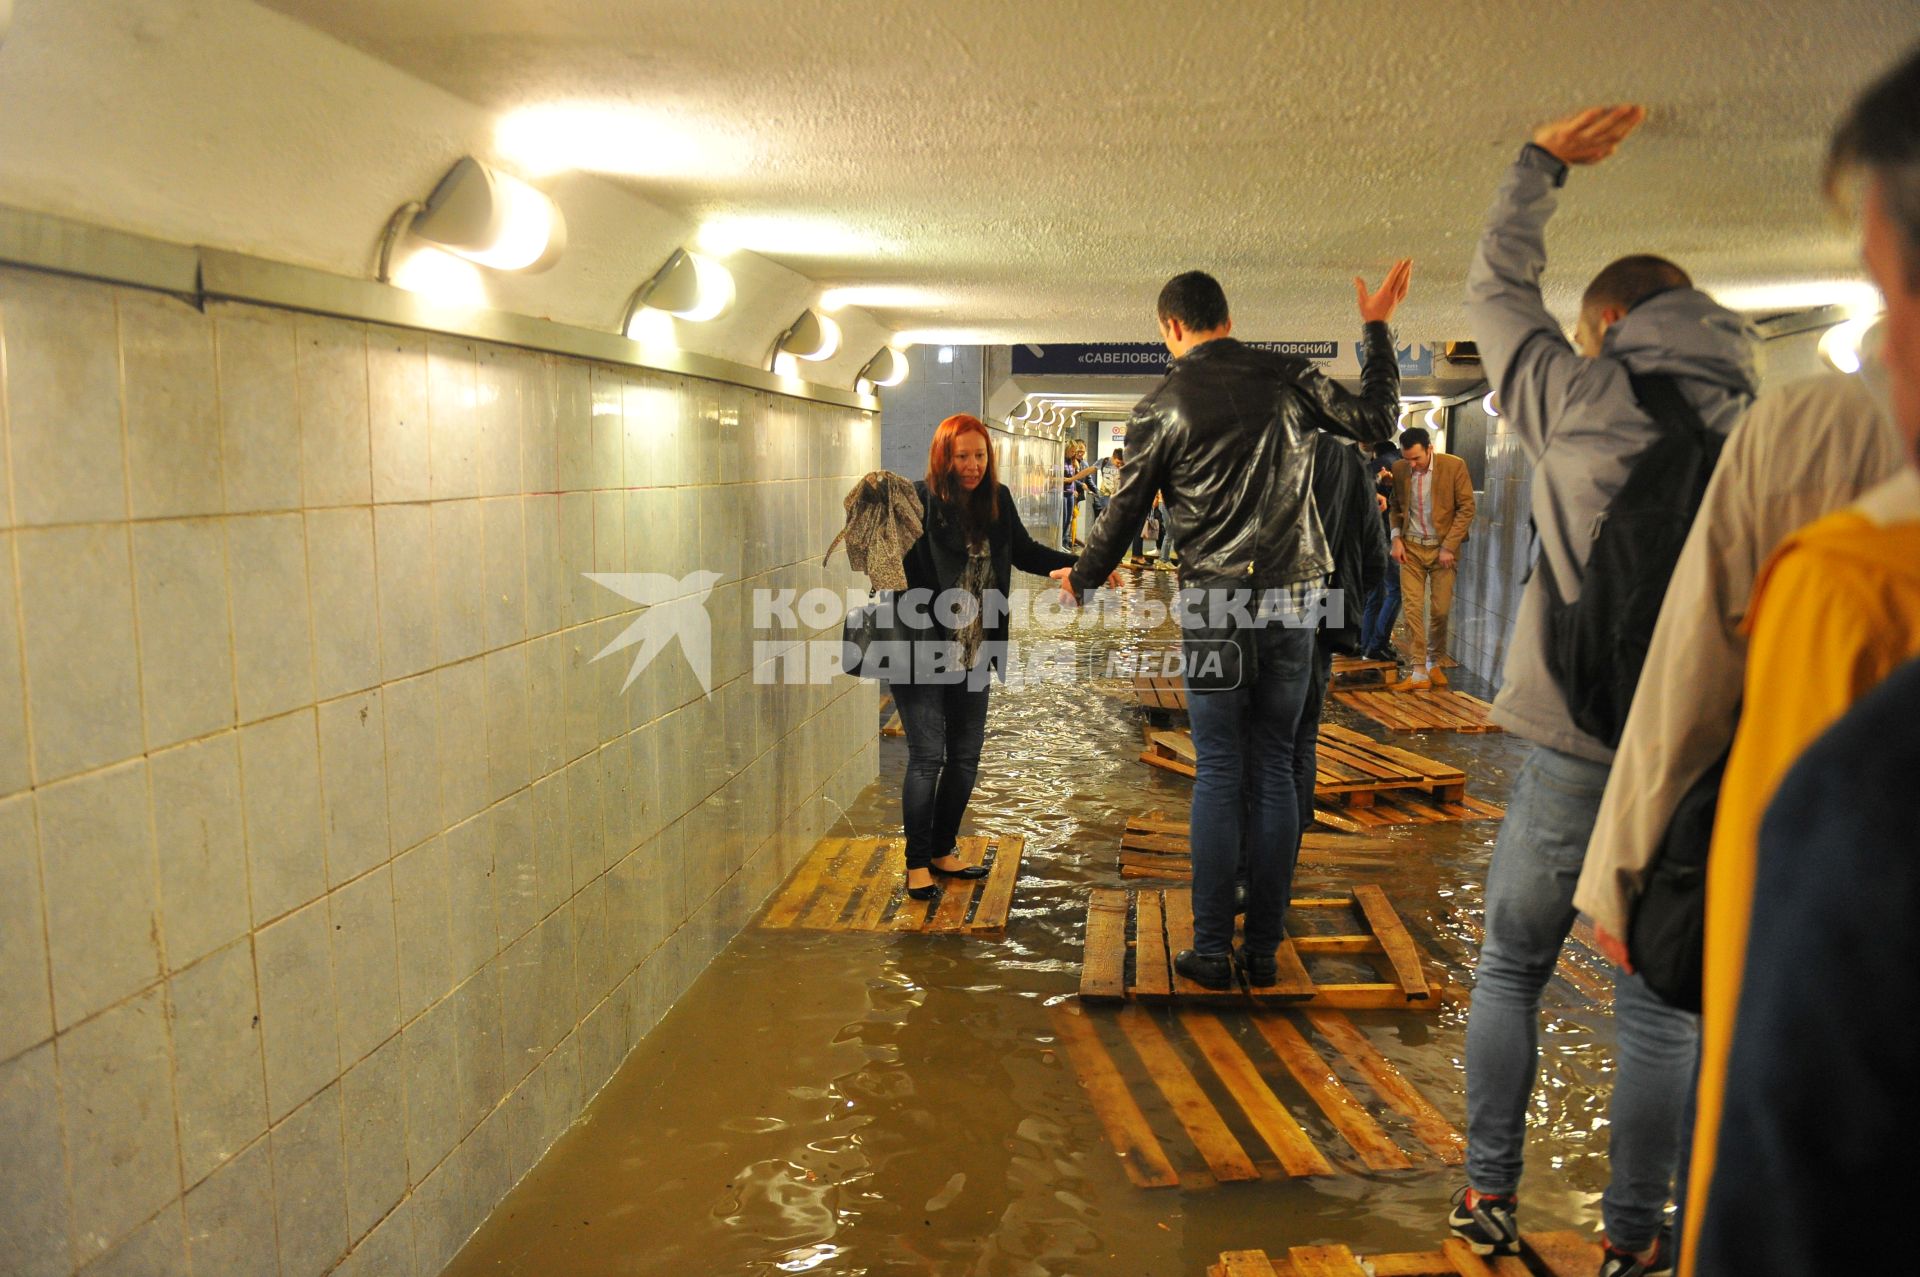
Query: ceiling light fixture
(812,336)
(441,277)
(688,286)
(1840,344)
(488,217)
(888,367)
(1858,296)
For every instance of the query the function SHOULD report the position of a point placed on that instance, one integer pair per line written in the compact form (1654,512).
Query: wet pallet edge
(1554,1254)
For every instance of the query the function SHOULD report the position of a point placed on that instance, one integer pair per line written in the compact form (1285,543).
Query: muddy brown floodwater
(847,1103)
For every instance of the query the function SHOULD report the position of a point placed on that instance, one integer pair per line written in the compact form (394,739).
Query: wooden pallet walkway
(1561,1254)
(1155,846)
(1360,783)
(1437,711)
(858,884)
(1159,692)
(1115,968)
(1271,1074)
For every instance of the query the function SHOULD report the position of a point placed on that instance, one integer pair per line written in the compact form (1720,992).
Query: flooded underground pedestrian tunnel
(997,639)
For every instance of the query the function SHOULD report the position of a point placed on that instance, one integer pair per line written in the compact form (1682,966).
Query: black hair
(1196,300)
(1415,437)
(1882,135)
(1383,447)
(1119,454)
(1631,280)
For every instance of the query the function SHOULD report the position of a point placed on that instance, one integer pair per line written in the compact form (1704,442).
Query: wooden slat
(1429,1263)
(884,882)
(1385,923)
(1428,1124)
(893,726)
(957,893)
(1313,946)
(1104,957)
(799,892)
(1256,1099)
(1165,762)
(1564,1254)
(1245,1263)
(1375,1147)
(1464,1261)
(1179,922)
(1179,744)
(996,896)
(1152,965)
(1218,1148)
(1324,1261)
(845,874)
(1294,983)
(1120,1116)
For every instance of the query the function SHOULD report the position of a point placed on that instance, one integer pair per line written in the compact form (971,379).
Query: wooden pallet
(1441,711)
(1155,846)
(1115,968)
(1581,966)
(858,884)
(1157,692)
(1358,669)
(1551,1254)
(1366,784)
(1271,1071)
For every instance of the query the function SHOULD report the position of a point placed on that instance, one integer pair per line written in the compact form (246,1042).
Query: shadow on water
(852,1103)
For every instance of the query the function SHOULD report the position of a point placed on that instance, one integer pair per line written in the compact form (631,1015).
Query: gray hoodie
(1577,418)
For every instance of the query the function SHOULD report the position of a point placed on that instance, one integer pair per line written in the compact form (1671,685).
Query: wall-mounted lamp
(888,367)
(688,286)
(1488,406)
(812,336)
(1840,344)
(485,216)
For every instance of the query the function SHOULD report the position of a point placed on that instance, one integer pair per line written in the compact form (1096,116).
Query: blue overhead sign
(1416,360)
(1136,359)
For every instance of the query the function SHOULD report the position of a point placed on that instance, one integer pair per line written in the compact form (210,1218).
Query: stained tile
(172,416)
(301,1043)
(286,841)
(498,374)
(397,415)
(365,964)
(26,1007)
(63,399)
(310,1187)
(460,699)
(505,612)
(353,769)
(508,727)
(33,1171)
(474,916)
(217,1053)
(374,1098)
(157,1248)
(344,585)
(459,568)
(413,761)
(230,1218)
(260,444)
(272,628)
(83,676)
(403,551)
(421,920)
(186,650)
(335,442)
(452,427)
(433,1107)
(116,1102)
(15,770)
(103,945)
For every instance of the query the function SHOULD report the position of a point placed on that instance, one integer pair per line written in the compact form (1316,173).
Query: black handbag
(1666,936)
(873,644)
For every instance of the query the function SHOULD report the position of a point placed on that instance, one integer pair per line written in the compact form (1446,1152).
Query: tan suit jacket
(1453,504)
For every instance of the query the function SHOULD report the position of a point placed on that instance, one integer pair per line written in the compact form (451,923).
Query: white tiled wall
(335,874)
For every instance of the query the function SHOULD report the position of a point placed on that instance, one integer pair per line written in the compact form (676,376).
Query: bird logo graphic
(676,608)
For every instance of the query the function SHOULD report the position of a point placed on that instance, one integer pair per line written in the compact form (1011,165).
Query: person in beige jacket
(1430,510)
(1802,451)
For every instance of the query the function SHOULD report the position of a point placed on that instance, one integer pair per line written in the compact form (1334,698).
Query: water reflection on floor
(852,1103)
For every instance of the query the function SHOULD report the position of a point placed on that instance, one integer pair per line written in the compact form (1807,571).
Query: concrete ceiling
(1033,171)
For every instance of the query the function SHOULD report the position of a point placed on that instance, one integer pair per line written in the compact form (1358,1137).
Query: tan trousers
(1426,625)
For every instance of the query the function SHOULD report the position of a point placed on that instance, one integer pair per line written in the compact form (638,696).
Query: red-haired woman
(962,561)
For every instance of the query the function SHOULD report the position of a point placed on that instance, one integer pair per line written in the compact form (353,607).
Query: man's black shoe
(1262,973)
(1214,970)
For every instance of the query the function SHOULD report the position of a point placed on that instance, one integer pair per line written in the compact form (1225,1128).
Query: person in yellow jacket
(1836,610)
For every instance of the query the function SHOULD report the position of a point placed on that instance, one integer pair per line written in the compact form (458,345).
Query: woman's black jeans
(946,725)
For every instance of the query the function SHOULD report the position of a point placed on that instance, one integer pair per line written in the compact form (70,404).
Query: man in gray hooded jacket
(1574,410)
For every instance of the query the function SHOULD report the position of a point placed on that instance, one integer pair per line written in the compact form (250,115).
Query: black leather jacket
(1225,440)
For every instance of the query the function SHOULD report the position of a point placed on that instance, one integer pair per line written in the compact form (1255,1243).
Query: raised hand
(1589,136)
(1379,307)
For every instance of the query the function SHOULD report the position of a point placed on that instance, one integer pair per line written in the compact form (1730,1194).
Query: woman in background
(973,540)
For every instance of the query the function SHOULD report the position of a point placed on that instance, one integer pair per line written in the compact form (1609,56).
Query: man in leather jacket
(1225,441)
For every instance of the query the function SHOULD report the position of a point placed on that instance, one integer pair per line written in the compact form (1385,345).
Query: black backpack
(1666,934)
(1597,644)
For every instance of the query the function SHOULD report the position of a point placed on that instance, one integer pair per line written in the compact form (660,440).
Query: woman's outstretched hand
(1067,596)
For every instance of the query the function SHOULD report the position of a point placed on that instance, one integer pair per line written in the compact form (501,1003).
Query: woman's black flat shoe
(929,892)
(965,871)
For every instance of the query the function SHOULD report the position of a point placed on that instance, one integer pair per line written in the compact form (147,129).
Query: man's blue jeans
(1383,609)
(1529,904)
(1243,793)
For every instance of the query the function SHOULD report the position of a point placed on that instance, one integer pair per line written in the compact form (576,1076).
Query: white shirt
(1420,504)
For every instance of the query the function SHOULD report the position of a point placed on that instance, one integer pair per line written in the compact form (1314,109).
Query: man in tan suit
(1431,510)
